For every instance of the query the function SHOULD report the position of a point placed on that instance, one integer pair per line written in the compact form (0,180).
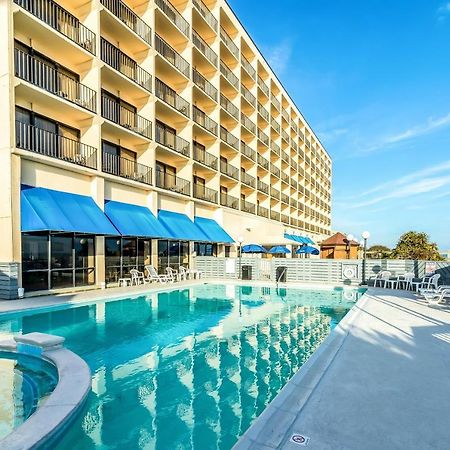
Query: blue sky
(373,80)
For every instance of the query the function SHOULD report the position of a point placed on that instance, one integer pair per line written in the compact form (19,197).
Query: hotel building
(144,132)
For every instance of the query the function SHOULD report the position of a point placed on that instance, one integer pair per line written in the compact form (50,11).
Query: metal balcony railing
(229,107)
(285,115)
(285,219)
(302,136)
(285,157)
(229,75)
(204,193)
(274,215)
(169,96)
(294,126)
(294,222)
(263,162)
(129,18)
(248,207)
(248,151)
(229,201)
(205,85)
(275,148)
(285,136)
(204,48)
(169,139)
(263,137)
(248,123)
(248,67)
(206,14)
(263,86)
(284,198)
(172,183)
(276,103)
(44,76)
(229,138)
(275,193)
(126,168)
(172,56)
(248,179)
(204,121)
(174,16)
(275,125)
(248,96)
(285,177)
(61,20)
(229,43)
(37,140)
(263,187)
(263,212)
(294,184)
(229,170)
(127,66)
(274,170)
(263,112)
(202,156)
(117,113)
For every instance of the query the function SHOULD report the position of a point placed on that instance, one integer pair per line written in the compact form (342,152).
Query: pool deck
(380,381)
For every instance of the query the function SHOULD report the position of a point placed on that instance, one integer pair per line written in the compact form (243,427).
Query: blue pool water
(186,369)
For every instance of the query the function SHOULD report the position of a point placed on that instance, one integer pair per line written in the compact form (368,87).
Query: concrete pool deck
(381,381)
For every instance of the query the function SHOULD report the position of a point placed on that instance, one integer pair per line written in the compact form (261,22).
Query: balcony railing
(229,107)
(294,126)
(174,16)
(127,66)
(204,48)
(285,198)
(263,162)
(248,67)
(263,137)
(234,49)
(172,183)
(274,215)
(248,179)
(126,168)
(169,96)
(169,139)
(276,103)
(263,112)
(274,170)
(40,74)
(204,121)
(275,125)
(229,201)
(206,86)
(116,113)
(229,75)
(263,187)
(285,157)
(206,14)
(37,140)
(294,203)
(275,193)
(248,123)
(129,18)
(285,219)
(275,148)
(172,56)
(248,96)
(228,169)
(285,115)
(263,212)
(202,156)
(263,86)
(204,193)
(61,20)
(285,177)
(294,184)
(248,207)
(285,136)
(248,151)
(229,138)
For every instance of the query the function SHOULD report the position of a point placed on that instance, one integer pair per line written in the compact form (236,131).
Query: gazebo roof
(337,239)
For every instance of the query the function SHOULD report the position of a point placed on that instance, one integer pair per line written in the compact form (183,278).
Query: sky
(372,79)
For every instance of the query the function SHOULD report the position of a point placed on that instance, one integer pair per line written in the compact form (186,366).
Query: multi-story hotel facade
(145,132)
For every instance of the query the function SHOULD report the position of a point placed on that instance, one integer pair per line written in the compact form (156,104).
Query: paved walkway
(382,383)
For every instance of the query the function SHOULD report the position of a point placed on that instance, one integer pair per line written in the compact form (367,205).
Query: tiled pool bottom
(186,369)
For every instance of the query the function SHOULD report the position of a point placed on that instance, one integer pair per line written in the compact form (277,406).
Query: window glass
(61,279)
(129,252)
(144,253)
(174,254)
(34,252)
(84,277)
(112,259)
(84,251)
(163,255)
(184,254)
(61,252)
(35,281)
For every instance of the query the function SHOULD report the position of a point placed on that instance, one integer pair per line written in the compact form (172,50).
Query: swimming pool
(190,368)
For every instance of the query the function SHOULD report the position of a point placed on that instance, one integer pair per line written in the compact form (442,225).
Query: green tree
(379,252)
(416,245)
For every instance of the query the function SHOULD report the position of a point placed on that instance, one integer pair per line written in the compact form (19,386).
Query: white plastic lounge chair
(405,281)
(438,299)
(172,274)
(153,275)
(423,291)
(137,277)
(428,282)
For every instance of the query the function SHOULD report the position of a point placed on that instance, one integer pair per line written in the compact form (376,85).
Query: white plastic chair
(438,299)
(382,277)
(153,275)
(405,281)
(172,274)
(428,282)
(136,277)
(184,274)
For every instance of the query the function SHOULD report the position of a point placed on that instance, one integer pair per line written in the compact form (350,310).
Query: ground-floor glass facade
(172,254)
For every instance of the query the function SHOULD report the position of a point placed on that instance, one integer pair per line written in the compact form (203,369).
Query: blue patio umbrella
(307,250)
(279,250)
(253,248)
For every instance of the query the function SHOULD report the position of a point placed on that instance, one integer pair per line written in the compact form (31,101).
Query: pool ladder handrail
(277,278)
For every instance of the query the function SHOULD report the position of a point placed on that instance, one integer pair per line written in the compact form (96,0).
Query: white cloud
(279,55)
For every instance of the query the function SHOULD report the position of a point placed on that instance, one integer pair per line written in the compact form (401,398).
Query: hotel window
(118,160)
(205,249)
(117,110)
(172,254)
(165,175)
(165,135)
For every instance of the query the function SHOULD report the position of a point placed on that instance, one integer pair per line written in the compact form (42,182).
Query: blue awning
(49,210)
(299,239)
(213,230)
(134,220)
(180,226)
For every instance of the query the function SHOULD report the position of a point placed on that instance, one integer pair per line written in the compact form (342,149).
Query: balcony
(229,107)
(285,115)
(122,116)
(170,97)
(206,14)
(129,18)
(201,82)
(275,170)
(229,170)
(275,125)
(251,99)
(263,86)
(263,137)
(263,112)
(126,168)
(285,219)
(285,177)
(229,43)
(60,20)
(205,49)
(202,156)
(204,121)
(285,198)
(275,148)
(263,162)
(248,123)
(229,138)
(40,74)
(203,193)
(294,203)
(285,157)
(229,75)
(275,193)
(174,16)
(263,187)
(294,184)
(172,183)
(274,215)
(37,140)
(170,140)
(248,179)
(285,136)
(276,103)
(263,212)
(127,66)
(229,201)
(247,151)
(248,207)
(248,67)
(172,56)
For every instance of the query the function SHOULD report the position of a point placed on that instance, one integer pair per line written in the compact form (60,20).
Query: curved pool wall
(192,367)
(47,419)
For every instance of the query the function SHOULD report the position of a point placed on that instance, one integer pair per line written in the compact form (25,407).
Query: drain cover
(300,439)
